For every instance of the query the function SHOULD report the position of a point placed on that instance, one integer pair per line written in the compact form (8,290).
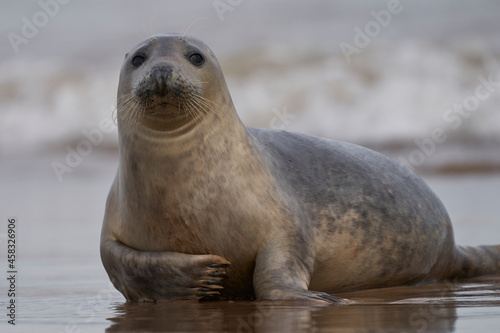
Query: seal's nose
(162,68)
(161,74)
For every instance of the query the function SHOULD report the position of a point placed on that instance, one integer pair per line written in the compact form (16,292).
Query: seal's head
(169,82)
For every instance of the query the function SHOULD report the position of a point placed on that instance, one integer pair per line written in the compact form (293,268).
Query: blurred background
(60,66)
(416,80)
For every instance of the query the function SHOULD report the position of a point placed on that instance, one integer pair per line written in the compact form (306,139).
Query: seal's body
(199,198)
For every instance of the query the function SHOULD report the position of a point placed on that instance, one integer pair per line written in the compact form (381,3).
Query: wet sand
(62,285)
(444,307)
(72,305)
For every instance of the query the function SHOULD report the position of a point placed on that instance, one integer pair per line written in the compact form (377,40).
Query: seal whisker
(126,102)
(122,100)
(194,111)
(179,107)
(114,115)
(205,102)
(199,106)
(203,108)
(124,108)
(128,112)
(133,111)
(139,111)
(185,35)
(125,94)
(125,97)
(207,105)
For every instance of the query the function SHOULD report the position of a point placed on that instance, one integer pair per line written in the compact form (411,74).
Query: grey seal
(203,206)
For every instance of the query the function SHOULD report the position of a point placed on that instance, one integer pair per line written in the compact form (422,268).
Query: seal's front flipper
(154,276)
(282,273)
(212,286)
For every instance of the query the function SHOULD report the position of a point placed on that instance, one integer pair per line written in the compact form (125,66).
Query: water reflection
(265,317)
(430,307)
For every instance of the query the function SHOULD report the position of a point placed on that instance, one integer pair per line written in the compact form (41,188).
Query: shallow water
(444,307)
(62,286)
(466,306)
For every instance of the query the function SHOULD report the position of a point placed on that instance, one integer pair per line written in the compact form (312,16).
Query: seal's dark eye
(138,60)
(196,59)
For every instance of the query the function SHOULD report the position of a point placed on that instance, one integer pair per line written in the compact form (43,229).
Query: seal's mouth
(159,106)
(165,115)
(164,109)
(160,103)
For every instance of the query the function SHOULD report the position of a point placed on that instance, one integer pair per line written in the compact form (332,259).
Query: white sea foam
(397,93)
(393,95)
